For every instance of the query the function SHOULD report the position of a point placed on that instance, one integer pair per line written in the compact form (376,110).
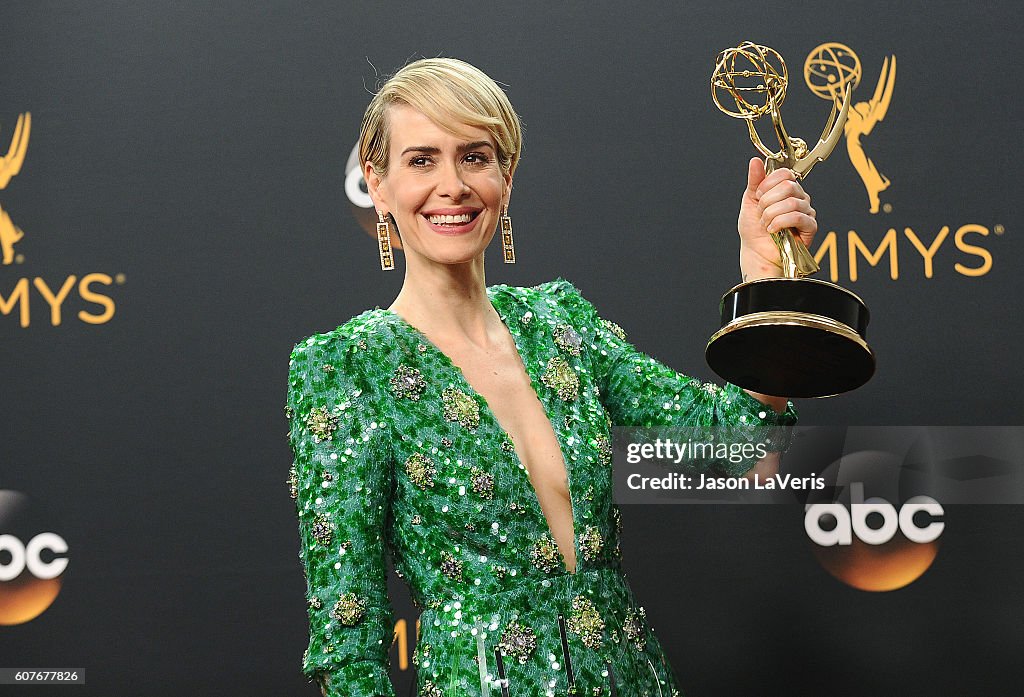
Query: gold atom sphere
(830,68)
(749,73)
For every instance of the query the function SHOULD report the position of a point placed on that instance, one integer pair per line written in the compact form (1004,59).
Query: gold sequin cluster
(322,532)
(407,382)
(567,339)
(349,610)
(293,482)
(421,470)
(518,640)
(614,328)
(591,542)
(633,627)
(482,482)
(321,423)
(461,407)
(450,566)
(544,553)
(585,621)
(559,376)
(604,449)
(422,651)
(429,689)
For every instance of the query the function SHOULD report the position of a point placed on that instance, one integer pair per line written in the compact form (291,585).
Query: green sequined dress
(396,454)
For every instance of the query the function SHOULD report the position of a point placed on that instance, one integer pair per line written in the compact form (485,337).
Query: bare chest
(501,379)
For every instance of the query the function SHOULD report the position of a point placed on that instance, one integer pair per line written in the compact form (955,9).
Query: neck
(448,302)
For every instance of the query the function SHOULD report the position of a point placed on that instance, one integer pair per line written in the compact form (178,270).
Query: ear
(376,187)
(508,190)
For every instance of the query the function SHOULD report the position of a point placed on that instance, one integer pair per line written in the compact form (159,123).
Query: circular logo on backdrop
(875,543)
(33,560)
(830,68)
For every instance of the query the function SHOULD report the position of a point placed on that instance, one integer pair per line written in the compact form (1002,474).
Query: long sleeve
(342,483)
(639,391)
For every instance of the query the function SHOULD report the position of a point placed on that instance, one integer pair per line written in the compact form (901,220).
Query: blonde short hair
(450,92)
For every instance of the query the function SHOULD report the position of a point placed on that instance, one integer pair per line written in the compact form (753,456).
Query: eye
(419,161)
(477,158)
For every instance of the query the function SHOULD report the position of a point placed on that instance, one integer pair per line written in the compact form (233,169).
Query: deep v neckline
(490,415)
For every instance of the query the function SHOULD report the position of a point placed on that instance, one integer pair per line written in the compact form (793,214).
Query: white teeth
(450,219)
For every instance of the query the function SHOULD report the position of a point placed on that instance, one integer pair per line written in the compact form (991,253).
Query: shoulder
(565,298)
(331,380)
(555,287)
(345,350)
(554,292)
(559,293)
(367,325)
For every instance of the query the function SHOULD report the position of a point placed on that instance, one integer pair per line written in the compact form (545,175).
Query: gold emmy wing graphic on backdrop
(827,71)
(768,321)
(10,165)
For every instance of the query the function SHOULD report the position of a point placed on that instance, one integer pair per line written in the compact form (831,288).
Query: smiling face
(445,191)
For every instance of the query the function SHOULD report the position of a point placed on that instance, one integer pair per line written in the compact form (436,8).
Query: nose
(452,183)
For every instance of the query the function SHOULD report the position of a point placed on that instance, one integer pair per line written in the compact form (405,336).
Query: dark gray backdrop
(199,150)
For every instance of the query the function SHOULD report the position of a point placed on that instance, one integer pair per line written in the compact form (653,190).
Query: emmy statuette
(769,321)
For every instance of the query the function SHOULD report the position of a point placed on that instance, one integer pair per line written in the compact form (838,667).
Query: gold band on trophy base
(821,350)
(791,336)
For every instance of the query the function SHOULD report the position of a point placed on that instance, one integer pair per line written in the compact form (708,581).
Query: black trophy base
(792,337)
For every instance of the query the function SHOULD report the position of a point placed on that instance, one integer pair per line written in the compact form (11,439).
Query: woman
(466,428)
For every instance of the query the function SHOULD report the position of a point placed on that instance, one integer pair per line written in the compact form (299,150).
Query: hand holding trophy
(767,320)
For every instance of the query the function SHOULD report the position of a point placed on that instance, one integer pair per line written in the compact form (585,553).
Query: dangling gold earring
(387,262)
(508,251)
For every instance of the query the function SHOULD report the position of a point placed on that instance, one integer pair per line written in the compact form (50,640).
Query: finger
(755,175)
(773,179)
(781,191)
(787,205)
(800,222)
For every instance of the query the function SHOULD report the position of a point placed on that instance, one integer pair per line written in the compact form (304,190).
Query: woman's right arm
(342,483)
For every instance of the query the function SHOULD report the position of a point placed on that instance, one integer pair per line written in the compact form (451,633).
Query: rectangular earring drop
(507,250)
(387,262)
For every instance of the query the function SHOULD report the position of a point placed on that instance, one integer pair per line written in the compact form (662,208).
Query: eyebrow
(430,150)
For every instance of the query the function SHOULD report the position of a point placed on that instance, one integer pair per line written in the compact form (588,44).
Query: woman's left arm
(639,391)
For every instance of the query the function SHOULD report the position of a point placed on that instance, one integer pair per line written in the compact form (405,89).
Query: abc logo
(853,523)
(875,557)
(33,560)
(29,556)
